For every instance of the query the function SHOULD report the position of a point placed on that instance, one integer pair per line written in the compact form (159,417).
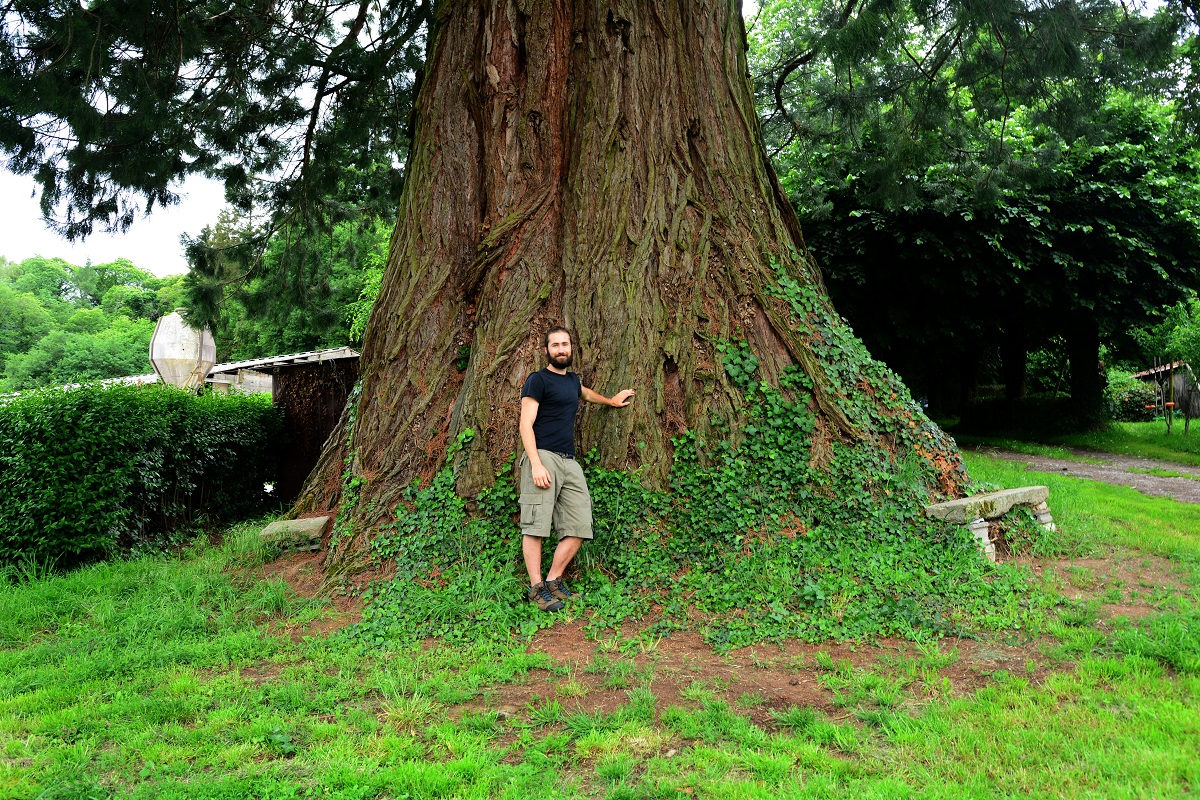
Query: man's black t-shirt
(558,401)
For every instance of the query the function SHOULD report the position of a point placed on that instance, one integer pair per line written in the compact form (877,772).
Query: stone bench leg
(979,528)
(1042,513)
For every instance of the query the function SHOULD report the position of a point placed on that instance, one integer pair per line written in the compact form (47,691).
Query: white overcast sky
(152,243)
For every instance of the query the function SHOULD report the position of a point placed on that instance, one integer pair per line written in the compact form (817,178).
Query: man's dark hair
(555,329)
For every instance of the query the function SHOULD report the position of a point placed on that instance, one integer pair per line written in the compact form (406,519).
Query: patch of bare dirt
(1115,469)
(682,670)
(301,571)
(265,672)
(304,573)
(1132,587)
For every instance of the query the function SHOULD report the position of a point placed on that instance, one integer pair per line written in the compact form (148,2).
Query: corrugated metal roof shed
(1146,373)
(311,357)
(259,364)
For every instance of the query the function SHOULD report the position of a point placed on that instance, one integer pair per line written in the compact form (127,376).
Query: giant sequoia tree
(598,164)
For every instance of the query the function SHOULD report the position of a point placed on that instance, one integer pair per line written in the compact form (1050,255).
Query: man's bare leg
(568,546)
(531,548)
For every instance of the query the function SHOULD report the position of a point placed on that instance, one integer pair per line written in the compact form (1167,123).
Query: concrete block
(979,529)
(303,535)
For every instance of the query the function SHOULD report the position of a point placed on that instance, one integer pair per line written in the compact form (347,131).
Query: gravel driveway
(1115,469)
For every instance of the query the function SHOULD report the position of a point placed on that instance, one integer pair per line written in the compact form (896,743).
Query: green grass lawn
(1096,518)
(1144,439)
(178,678)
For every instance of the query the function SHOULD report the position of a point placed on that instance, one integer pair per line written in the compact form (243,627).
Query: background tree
(255,304)
(985,178)
(69,356)
(23,321)
(47,279)
(1089,248)
(302,109)
(60,323)
(1176,337)
(92,282)
(876,93)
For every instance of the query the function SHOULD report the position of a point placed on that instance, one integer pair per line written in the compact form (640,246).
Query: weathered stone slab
(987,506)
(296,534)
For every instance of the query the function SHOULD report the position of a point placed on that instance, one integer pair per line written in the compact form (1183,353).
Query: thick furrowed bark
(594,164)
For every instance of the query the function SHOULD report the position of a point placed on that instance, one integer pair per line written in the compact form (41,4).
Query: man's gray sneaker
(541,595)
(558,588)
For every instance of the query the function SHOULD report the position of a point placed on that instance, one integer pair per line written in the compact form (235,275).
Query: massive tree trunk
(1082,337)
(595,164)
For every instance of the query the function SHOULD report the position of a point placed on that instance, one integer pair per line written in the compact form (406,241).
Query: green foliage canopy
(25,320)
(109,104)
(61,324)
(872,94)
(1176,337)
(297,294)
(66,356)
(1105,235)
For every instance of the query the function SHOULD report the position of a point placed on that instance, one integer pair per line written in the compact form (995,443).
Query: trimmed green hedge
(100,469)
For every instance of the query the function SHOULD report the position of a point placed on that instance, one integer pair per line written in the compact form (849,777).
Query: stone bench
(976,510)
(295,535)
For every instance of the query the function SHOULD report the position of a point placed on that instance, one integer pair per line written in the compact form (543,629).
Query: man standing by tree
(553,489)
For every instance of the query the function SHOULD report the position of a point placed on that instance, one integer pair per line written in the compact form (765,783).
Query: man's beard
(562,362)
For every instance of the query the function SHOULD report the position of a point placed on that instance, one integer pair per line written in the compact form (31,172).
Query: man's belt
(570,456)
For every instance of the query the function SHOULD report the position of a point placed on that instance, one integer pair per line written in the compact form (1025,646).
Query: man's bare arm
(529,411)
(618,400)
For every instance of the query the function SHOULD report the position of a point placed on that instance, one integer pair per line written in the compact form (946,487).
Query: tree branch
(788,67)
(360,21)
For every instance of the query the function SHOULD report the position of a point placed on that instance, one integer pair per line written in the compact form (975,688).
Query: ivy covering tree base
(771,529)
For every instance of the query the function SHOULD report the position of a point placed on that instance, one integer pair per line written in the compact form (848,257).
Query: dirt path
(1115,469)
